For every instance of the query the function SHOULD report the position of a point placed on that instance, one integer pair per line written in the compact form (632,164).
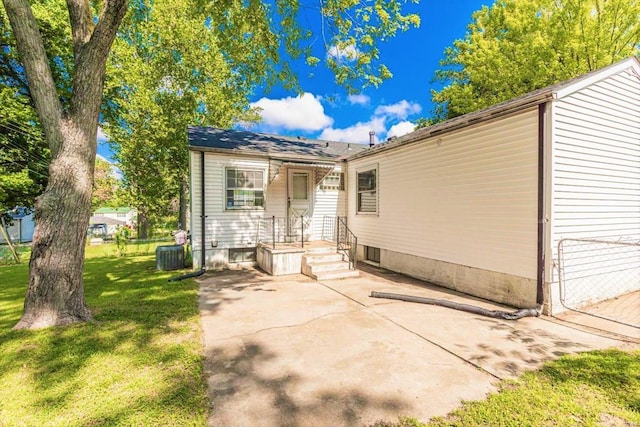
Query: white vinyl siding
(468,197)
(238,228)
(328,204)
(229,228)
(596,184)
(596,161)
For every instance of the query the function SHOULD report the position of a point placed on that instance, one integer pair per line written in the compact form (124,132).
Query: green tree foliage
(181,63)
(24,156)
(167,71)
(517,46)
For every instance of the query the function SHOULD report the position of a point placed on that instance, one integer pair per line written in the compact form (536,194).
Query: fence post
(302,230)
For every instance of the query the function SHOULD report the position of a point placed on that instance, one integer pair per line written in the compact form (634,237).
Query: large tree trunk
(55,293)
(143,224)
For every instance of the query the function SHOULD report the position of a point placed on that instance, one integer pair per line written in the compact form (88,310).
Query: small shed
(20,227)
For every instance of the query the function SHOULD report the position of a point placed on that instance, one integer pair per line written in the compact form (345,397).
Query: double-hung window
(245,189)
(367,191)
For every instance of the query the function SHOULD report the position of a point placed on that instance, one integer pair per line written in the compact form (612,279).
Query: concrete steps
(326,265)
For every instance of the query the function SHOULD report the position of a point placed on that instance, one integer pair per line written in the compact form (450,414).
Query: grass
(138,363)
(599,388)
(6,257)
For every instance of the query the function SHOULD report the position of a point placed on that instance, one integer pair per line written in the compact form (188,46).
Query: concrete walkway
(290,351)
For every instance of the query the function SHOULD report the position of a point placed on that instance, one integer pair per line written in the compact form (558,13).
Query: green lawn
(599,388)
(138,363)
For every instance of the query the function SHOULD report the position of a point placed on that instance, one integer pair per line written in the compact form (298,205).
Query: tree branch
(34,58)
(81,23)
(91,58)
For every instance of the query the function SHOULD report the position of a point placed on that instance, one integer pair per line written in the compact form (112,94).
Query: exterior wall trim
(542,124)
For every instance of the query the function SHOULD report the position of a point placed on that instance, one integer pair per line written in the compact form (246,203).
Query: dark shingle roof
(272,146)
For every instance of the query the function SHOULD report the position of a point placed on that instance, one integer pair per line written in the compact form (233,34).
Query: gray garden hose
(519,314)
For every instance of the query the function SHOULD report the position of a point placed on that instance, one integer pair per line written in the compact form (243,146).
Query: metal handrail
(346,241)
(275,230)
(329,229)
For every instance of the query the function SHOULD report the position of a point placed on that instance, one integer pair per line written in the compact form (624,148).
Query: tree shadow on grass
(138,362)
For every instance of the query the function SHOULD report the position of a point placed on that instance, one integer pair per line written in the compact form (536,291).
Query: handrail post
(355,253)
(273,230)
(302,230)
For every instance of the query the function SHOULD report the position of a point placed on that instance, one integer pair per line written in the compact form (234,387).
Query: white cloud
(400,129)
(115,171)
(303,112)
(358,133)
(349,52)
(101,136)
(101,157)
(358,99)
(400,110)
(394,115)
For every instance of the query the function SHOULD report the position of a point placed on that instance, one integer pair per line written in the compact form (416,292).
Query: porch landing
(310,246)
(293,258)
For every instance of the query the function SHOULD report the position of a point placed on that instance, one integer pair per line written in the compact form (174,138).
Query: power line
(17,127)
(29,169)
(35,157)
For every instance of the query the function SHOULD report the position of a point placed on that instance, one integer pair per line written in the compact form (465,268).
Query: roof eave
(267,155)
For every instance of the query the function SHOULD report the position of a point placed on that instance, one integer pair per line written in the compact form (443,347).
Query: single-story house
(114,216)
(247,188)
(478,203)
(21,226)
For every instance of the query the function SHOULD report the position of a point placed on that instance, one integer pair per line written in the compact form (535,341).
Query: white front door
(299,201)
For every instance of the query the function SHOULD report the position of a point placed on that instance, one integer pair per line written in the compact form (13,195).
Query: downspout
(202,214)
(202,226)
(542,110)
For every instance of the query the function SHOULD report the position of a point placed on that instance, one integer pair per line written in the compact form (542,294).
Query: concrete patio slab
(289,351)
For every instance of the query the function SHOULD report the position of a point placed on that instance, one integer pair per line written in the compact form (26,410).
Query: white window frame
(226,189)
(331,187)
(358,191)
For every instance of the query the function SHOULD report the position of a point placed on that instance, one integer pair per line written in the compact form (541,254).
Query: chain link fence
(601,278)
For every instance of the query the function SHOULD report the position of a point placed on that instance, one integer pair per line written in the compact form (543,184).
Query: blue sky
(326,112)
